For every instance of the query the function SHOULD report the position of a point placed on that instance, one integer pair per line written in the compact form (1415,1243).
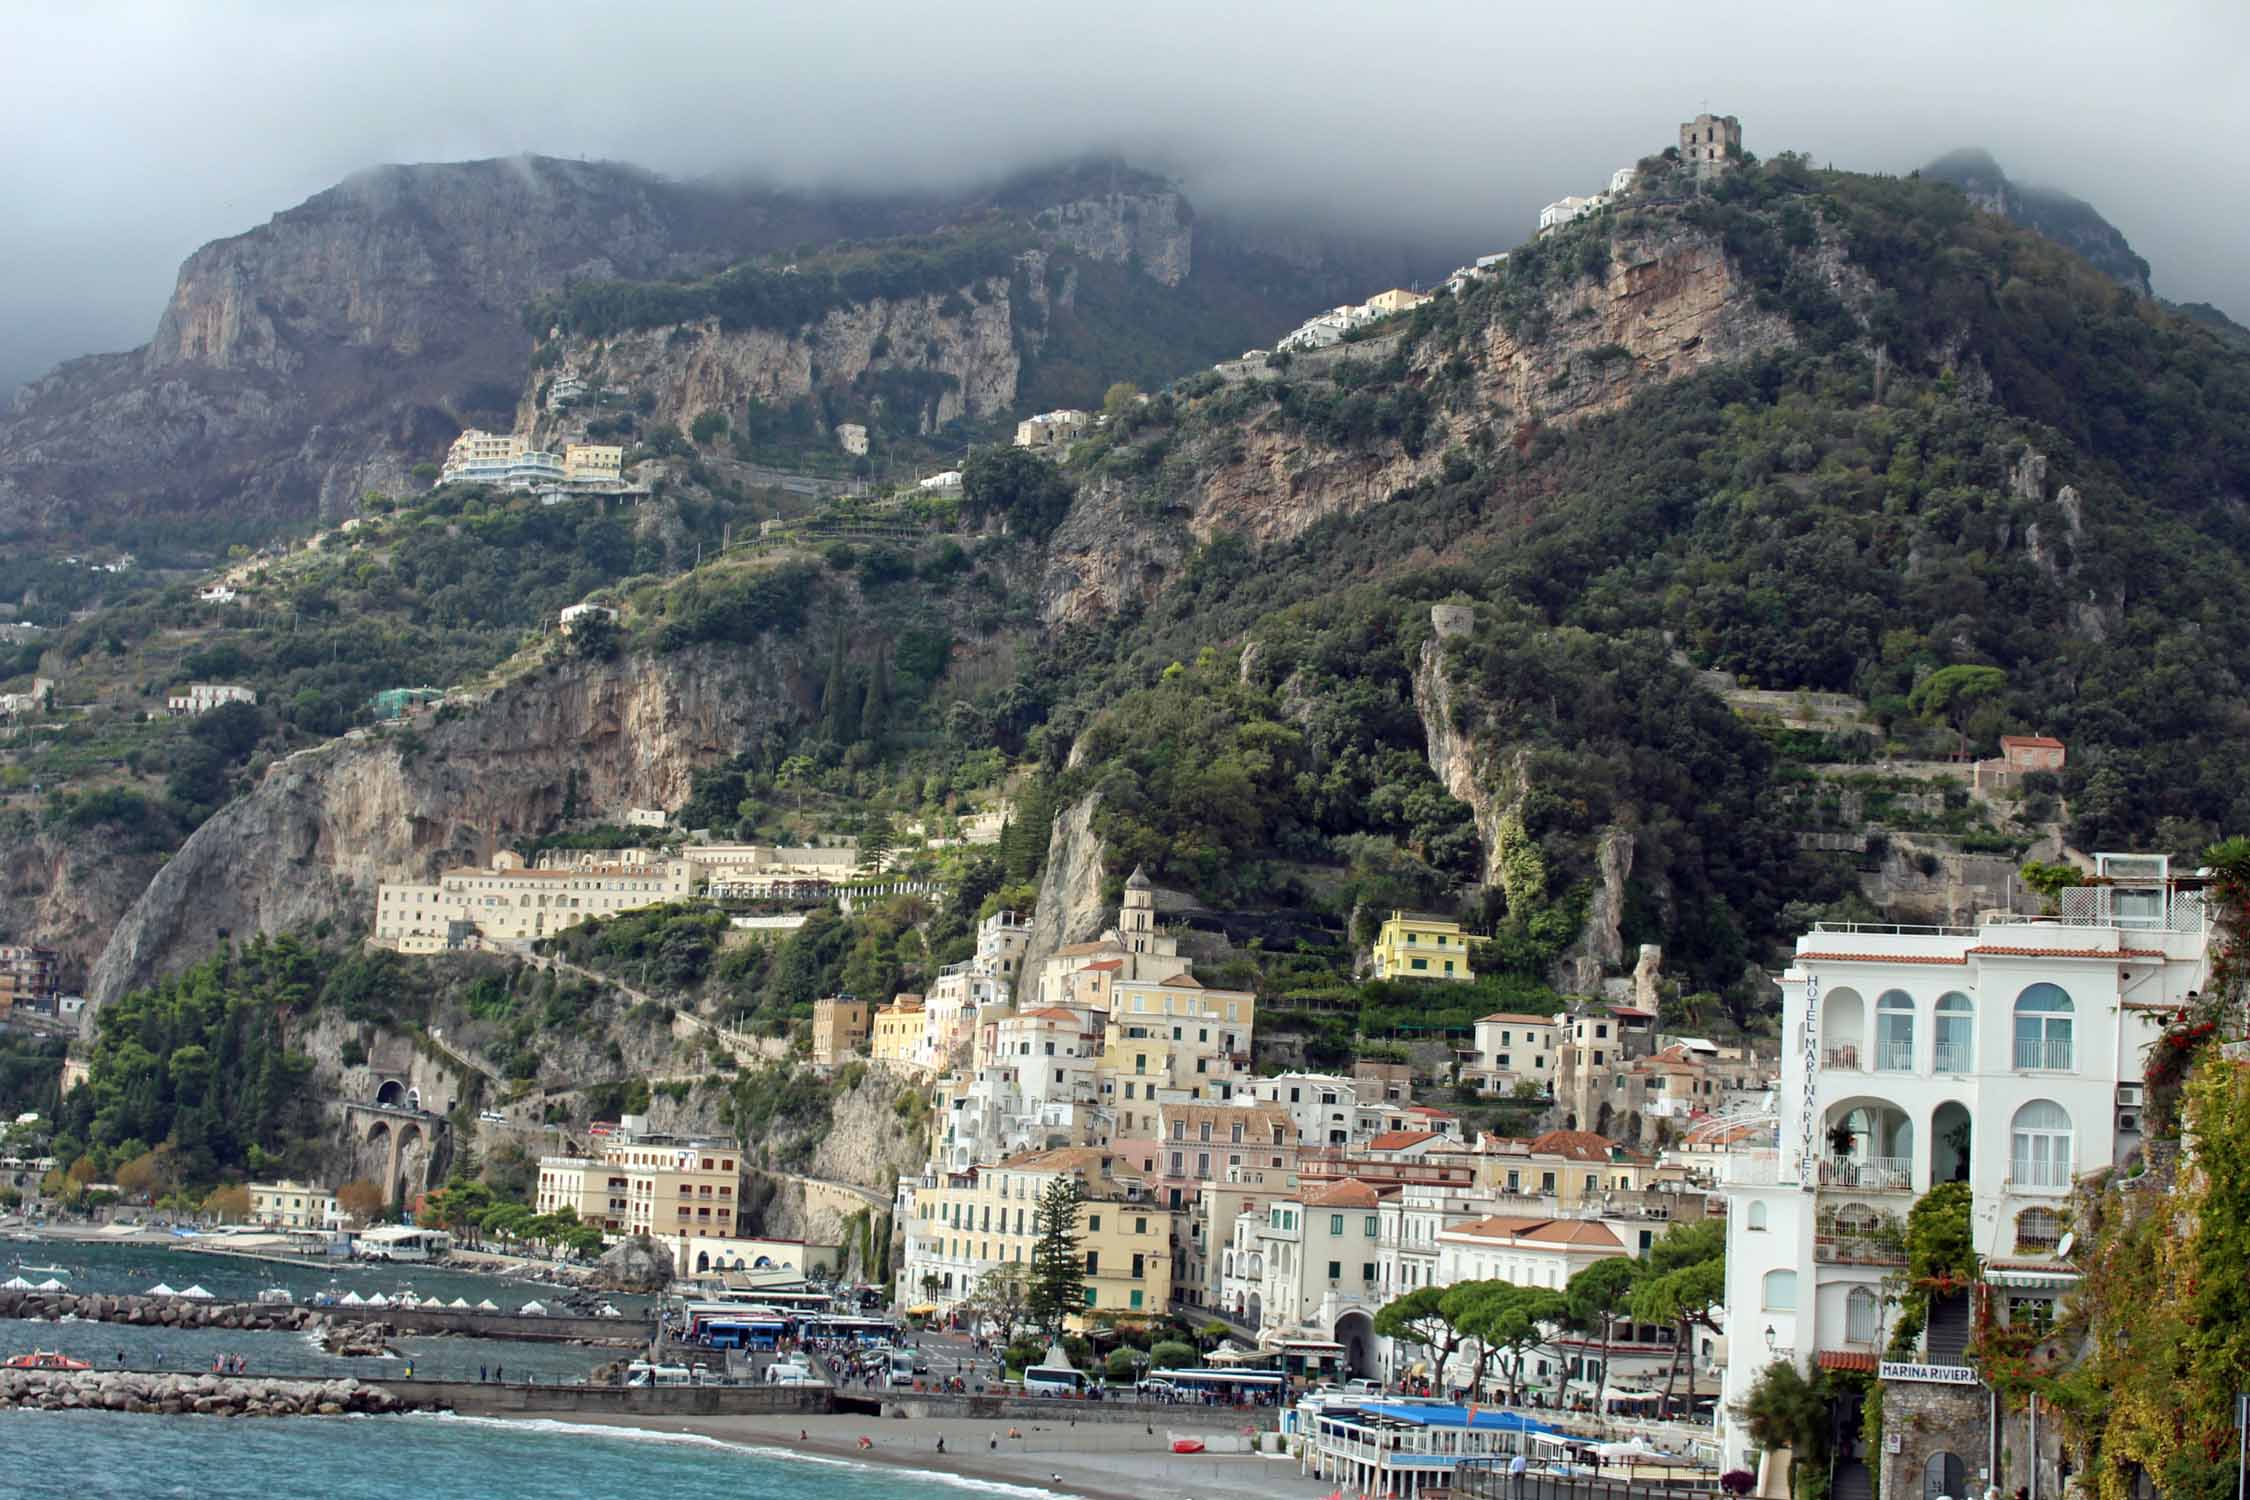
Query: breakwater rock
(210,1395)
(159,1312)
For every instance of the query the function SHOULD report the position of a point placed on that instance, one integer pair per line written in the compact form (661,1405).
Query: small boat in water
(41,1270)
(45,1359)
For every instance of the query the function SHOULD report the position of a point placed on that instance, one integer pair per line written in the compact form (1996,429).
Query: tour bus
(1222,1387)
(1041,1381)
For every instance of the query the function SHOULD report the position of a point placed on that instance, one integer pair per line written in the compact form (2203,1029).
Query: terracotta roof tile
(1847,1359)
(1515,1018)
(1997,951)
(1349,1193)
(1878,958)
(1543,1231)
(2032,741)
(1399,1140)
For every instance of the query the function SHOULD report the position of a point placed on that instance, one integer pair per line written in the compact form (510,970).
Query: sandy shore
(1096,1460)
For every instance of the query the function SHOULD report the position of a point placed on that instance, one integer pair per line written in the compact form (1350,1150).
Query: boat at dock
(45,1359)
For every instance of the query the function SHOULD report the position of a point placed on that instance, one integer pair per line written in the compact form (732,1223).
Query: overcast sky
(137,129)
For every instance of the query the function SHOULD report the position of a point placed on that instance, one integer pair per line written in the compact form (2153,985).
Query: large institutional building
(2007,1056)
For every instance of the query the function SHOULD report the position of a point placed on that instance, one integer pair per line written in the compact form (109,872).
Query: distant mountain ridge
(326,352)
(2068,221)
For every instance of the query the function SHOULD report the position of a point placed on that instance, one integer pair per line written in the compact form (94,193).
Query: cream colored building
(1053,428)
(292,1205)
(963,1224)
(839,1024)
(202,697)
(896,1033)
(509,905)
(595,462)
(648,1186)
(1396,300)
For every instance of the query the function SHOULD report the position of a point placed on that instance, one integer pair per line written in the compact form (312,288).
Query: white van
(642,1373)
(792,1371)
(1040,1381)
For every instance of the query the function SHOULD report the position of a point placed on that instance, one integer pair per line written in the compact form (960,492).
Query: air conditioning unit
(2128,1122)
(2129,1094)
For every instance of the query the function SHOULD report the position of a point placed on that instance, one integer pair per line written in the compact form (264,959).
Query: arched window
(2038,1231)
(1757,1216)
(2040,1146)
(1956,1034)
(1779,1291)
(2043,1029)
(1863,1316)
(1894,1032)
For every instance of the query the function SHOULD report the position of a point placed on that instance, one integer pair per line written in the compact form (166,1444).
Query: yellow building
(595,461)
(650,1186)
(509,904)
(898,1030)
(839,1024)
(292,1205)
(970,1223)
(1396,300)
(1414,946)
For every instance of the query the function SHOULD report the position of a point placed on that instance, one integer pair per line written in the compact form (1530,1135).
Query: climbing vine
(1941,1259)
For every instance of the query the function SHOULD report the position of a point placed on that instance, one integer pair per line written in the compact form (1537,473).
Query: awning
(926,1310)
(2057,1279)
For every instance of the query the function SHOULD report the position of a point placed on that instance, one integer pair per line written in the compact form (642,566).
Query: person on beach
(481,1374)
(941,1445)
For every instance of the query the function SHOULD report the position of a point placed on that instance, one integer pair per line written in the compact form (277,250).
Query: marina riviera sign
(1934,1374)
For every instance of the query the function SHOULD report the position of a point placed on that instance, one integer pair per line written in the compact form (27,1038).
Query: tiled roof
(1399,1140)
(1879,958)
(1574,1145)
(1513,1018)
(1847,1359)
(1996,951)
(2032,741)
(1350,1193)
(1184,982)
(1051,1013)
(1591,1232)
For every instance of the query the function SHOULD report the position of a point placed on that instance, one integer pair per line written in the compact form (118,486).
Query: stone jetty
(209,1395)
(159,1312)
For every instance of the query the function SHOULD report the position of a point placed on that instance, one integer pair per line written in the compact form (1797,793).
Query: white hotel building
(2007,1055)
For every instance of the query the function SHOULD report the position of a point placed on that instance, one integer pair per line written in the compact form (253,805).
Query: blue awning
(1438,1414)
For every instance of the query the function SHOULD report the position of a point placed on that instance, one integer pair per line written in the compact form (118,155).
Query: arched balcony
(1951,1137)
(1843,1029)
(1870,1147)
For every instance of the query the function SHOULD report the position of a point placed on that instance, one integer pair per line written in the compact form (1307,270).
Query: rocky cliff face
(1070,908)
(325,825)
(1481,768)
(67,892)
(1153,231)
(1670,304)
(2070,222)
(694,368)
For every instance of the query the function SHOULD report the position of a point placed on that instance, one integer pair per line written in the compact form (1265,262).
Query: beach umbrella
(52,1285)
(535,1309)
(16,1284)
(197,1291)
(459,1302)
(352,1299)
(162,1289)
(488,1305)
(378,1300)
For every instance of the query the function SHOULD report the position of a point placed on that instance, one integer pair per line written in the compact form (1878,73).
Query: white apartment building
(2006,1055)
(508,904)
(1323,1107)
(1322,1257)
(1509,1047)
(202,697)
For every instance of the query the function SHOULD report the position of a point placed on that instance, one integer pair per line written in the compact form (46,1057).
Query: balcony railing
(1859,1250)
(1871,1174)
(1952,1057)
(1894,1057)
(1844,1057)
(2050,1055)
(2036,1172)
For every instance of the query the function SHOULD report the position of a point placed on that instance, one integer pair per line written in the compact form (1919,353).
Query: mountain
(1516,604)
(2068,221)
(328,352)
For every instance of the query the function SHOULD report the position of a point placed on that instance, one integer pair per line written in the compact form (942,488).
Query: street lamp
(1769,1338)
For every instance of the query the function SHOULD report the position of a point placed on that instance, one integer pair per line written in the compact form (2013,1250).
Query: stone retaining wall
(477,1398)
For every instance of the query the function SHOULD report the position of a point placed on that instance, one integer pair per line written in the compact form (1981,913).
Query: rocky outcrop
(2068,221)
(202,1395)
(1600,945)
(1104,558)
(1669,304)
(325,825)
(1070,907)
(967,338)
(1152,231)
(160,1312)
(68,892)
(637,1264)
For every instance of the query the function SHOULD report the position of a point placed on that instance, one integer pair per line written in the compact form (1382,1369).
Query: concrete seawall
(917,1406)
(478,1398)
(623,1332)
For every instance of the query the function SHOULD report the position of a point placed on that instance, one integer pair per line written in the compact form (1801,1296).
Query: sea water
(73,1455)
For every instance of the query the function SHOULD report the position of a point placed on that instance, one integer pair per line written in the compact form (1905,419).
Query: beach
(1096,1460)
